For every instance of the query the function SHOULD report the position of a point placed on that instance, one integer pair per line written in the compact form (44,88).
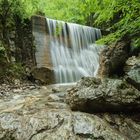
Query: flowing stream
(73,51)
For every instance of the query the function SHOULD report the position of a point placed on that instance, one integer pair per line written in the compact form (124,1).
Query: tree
(118,18)
(11,12)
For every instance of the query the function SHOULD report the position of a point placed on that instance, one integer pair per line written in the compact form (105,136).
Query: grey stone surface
(113,58)
(132,70)
(31,115)
(107,95)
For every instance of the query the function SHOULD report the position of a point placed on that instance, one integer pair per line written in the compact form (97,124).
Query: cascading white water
(72,50)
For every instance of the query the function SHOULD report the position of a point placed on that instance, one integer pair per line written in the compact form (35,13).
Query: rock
(32,116)
(17,90)
(17,82)
(44,75)
(37,114)
(32,87)
(3,85)
(53,97)
(113,58)
(55,90)
(130,63)
(44,87)
(7,89)
(132,70)
(1,94)
(135,51)
(127,125)
(61,125)
(106,95)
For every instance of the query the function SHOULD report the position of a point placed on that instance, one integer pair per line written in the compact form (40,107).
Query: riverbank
(42,113)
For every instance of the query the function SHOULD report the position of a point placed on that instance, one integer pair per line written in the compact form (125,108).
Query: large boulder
(43,75)
(113,58)
(106,95)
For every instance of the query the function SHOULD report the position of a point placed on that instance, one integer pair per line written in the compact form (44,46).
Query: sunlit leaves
(119,17)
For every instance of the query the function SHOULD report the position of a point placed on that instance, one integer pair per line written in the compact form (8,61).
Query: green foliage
(61,9)
(120,18)
(58,29)
(16,70)
(9,11)
(11,72)
(2,49)
(117,17)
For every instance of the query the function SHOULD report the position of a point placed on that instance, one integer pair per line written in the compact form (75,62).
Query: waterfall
(73,51)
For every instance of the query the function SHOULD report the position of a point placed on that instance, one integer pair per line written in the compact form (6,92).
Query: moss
(12,71)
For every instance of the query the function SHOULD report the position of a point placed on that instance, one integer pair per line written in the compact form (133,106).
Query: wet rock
(7,89)
(55,125)
(44,87)
(124,124)
(106,95)
(17,90)
(44,75)
(55,90)
(113,58)
(32,116)
(17,82)
(130,63)
(32,87)
(53,97)
(132,70)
